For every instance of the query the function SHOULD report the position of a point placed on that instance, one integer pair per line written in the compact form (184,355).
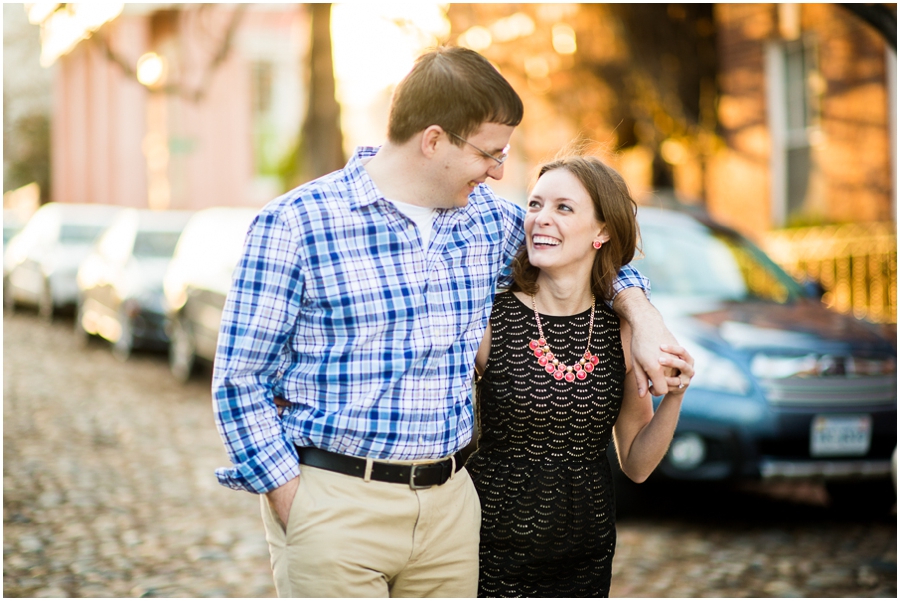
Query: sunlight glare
(375,44)
(564,39)
(374,47)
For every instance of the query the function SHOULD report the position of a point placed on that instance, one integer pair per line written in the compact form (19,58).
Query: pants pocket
(270,516)
(273,515)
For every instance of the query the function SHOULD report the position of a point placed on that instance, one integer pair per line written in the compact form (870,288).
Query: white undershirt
(423,217)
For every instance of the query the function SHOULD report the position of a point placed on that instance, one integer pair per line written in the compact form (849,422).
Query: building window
(794,85)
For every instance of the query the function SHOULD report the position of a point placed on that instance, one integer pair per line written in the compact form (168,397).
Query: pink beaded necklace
(551,364)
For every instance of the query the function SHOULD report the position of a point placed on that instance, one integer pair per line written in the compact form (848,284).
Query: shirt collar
(364,191)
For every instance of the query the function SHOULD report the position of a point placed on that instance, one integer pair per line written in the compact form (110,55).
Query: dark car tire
(121,349)
(875,498)
(45,303)
(182,351)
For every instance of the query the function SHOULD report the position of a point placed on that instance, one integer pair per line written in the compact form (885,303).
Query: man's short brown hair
(455,88)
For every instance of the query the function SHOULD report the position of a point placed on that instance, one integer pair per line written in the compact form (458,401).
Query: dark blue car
(784,387)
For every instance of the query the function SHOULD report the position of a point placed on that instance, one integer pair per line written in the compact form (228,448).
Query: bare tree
(321,142)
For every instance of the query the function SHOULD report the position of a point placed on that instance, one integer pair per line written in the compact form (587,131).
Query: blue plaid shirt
(337,307)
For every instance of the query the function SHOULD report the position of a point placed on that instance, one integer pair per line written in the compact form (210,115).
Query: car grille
(831,391)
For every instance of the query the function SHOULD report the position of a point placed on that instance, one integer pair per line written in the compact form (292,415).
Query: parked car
(12,224)
(40,262)
(120,282)
(784,387)
(197,282)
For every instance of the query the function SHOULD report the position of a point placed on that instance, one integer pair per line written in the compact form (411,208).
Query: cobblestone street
(108,485)
(760,544)
(109,491)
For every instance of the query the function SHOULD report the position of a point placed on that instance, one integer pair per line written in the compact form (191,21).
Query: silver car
(197,282)
(12,224)
(120,281)
(40,262)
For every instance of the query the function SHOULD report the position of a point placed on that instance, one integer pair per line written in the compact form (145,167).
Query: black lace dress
(548,510)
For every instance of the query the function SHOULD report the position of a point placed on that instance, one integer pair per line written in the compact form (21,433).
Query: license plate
(833,435)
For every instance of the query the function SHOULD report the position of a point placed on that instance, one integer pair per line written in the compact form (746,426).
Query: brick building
(807,110)
(780,119)
(220,104)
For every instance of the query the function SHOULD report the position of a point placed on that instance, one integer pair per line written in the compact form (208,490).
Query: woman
(553,390)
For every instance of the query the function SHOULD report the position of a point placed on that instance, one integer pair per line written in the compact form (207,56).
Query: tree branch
(179,89)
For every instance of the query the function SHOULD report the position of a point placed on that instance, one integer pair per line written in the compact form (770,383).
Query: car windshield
(155,244)
(9,231)
(712,264)
(79,233)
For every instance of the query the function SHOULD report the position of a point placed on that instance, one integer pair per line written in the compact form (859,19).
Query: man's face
(467,165)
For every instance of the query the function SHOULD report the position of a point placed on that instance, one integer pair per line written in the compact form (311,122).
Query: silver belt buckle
(412,478)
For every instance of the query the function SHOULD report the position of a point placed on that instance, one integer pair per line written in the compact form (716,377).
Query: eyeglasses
(500,160)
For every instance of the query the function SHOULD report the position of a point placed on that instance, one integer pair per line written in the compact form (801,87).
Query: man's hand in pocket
(281,499)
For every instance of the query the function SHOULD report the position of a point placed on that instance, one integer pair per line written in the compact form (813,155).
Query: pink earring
(597,244)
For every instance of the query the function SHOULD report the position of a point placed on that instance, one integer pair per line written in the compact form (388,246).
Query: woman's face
(561,225)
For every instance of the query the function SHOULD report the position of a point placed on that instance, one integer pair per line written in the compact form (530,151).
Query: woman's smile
(540,241)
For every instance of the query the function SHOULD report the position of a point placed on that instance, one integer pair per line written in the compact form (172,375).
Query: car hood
(804,325)
(150,272)
(65,258)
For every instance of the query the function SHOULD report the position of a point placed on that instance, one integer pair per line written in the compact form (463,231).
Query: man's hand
(282,404)
(282,498)
(648,334)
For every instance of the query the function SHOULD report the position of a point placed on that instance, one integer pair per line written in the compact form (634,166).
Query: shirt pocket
(458,292)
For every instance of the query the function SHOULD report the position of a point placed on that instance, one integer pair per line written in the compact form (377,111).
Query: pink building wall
(102,115)
(98,125)
(219,169)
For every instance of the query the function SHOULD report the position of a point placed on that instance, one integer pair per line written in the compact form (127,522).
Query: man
(361,299)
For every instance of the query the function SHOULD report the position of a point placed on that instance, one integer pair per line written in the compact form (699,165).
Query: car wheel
(121,348)
(182,353)
(45,303)
(9,301)
(862,498)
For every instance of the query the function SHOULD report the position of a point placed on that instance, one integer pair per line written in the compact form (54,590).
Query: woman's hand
(642,435)
(681,361)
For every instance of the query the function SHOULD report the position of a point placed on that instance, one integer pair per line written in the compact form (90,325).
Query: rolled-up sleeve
(629,277)
(513,221)
(259,314)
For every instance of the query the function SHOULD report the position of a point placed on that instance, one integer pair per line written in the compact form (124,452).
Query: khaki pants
(349,538)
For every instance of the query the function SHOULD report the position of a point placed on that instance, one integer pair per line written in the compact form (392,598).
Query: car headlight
(814,365)
(715,372)
(687,451)
(768,366)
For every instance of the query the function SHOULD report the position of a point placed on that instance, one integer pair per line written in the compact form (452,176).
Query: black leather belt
(417,476)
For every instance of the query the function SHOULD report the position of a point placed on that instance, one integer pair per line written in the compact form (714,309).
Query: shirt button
(422,439)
